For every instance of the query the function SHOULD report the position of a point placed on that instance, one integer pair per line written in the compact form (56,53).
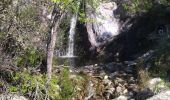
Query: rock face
(103,25)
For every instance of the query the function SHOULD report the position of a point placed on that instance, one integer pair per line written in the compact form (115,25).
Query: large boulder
(161,96)
(103,25)
(11,97)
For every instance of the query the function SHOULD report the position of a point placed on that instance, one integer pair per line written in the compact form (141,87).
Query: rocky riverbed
(116,81)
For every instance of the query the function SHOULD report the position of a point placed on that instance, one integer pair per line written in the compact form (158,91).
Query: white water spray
(70,50)
(71,36)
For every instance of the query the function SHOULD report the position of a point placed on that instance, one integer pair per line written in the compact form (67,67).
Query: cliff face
(102,25)
(114,32)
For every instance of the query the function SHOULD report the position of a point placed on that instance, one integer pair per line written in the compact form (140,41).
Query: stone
(106,77)
(121,98)
(120,80)
(105,26)
(113,75)
(125,91)
(152,83)
(118,89)
(107,82)
(161,96)
(11,97)
(111,90)
(131,80)
(133,87)
(95,65)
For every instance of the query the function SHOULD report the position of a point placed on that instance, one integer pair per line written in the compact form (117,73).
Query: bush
(67,87)
(30,58)
(33,86)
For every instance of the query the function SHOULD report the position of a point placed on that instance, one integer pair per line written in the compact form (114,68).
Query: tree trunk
(56,19)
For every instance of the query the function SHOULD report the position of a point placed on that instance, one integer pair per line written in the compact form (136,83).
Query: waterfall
(70,52)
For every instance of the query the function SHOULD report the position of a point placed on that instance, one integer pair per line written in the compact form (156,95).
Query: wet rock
(113,67)
(130,63)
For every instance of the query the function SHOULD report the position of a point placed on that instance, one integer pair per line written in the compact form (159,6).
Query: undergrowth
(33,85)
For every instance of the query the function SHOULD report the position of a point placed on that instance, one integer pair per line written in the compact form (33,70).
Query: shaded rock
(143,95)
(113,75)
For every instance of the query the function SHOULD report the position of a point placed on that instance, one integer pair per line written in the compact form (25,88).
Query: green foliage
(160,61)
(138,6)
(10,44)
(72,5)
(78,6)
(30,58)
(162,84)
(28,17)
(33,85)
(67,87)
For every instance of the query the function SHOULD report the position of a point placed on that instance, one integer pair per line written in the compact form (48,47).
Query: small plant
(143,77)
(67,87)
(161,86)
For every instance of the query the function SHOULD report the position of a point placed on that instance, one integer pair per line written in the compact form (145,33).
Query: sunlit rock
(11,97)
(103,25)
(161,96)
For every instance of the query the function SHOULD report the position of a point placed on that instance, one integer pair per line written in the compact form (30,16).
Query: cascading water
(70,50)
(68,54)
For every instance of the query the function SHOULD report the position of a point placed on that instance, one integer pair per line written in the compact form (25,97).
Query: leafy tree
(61,7)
